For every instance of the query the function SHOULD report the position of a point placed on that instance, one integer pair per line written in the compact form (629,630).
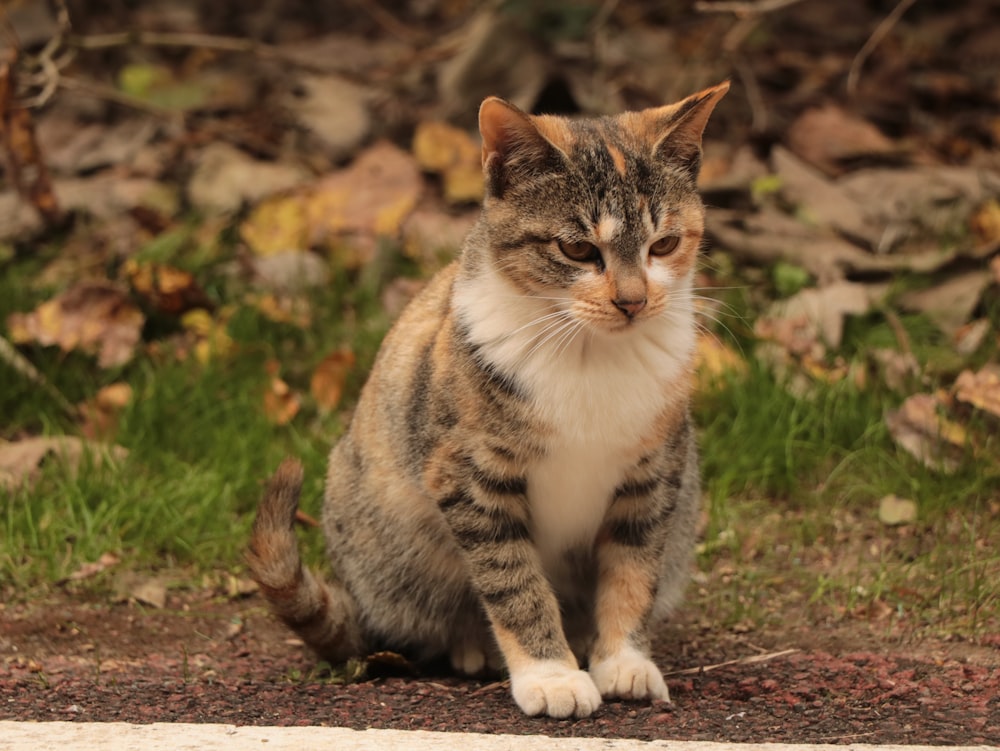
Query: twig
(880,33)
(387,21)
(752,660)
(743,8)
(20,364)
(113,95)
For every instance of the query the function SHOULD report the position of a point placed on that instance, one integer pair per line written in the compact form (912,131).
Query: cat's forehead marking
(607,227)
(616,156)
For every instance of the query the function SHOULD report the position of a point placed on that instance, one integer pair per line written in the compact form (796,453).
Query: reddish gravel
(224,661)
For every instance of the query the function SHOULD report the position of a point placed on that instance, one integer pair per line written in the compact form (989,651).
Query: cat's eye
(664,246)
(580,251)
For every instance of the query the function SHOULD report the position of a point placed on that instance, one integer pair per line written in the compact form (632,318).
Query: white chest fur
(598,392)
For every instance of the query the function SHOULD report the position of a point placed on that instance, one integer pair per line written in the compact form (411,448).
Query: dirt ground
(211,659)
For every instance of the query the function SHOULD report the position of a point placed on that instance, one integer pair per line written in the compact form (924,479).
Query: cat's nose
(630,308)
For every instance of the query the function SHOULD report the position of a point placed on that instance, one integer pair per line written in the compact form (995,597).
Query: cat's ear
(678,128)
(513,144)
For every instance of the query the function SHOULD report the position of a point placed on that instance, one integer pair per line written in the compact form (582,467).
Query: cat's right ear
(512,145)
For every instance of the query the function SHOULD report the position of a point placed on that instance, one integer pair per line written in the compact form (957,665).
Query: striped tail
(322,614)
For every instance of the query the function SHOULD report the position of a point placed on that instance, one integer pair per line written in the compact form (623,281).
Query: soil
(211,659)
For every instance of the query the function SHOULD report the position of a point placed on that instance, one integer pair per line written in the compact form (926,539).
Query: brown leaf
(21,461)
(27,169)
(829,138)
(169,290)
(985,223)
(88,570)
(327,382)
(951,303)
(281,404)
(920,427)
(96,317)
(980,389)
(100,414)
(345,212)
(894,511)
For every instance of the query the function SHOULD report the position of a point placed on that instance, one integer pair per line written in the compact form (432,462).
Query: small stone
(894,511)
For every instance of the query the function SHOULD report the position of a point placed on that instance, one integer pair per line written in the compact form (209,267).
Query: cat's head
(600,212)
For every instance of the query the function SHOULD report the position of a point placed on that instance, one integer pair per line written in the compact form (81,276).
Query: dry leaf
(151,592)
(951,303)
(26,167)
(211,334)
(327,383)
(100,414)
(88,570)
(167,289)
(981,390)
(345,212)
(226,178)
(920,427)
(894,511)
(985,223)
(281,404)
(94,316)
(814,317)
(828,137)
(453,154)
(21,461)
(969,337)
(284,309)
(715,359)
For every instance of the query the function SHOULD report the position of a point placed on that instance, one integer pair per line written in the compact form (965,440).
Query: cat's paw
(629,674)
(554,689)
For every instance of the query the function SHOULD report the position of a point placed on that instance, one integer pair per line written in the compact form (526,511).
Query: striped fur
(519,484)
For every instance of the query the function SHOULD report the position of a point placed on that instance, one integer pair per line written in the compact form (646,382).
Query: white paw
(553,689)
(629,675)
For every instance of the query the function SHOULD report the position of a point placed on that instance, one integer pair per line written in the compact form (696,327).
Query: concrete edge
(120,736)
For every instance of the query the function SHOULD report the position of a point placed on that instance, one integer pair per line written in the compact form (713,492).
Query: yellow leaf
(455,155)
(277,224)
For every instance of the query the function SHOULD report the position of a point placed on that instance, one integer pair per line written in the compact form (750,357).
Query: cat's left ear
(678,128)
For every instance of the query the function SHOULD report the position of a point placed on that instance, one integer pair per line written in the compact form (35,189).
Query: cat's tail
(322,614)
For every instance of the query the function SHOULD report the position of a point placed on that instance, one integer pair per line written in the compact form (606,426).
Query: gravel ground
(216,660)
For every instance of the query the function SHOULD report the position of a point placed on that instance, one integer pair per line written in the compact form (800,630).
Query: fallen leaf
(950,303)
(211,334)
(433,237)
(151,592)
(714,359)
(980,389)
(290,271)
(399,292)
(327,382)
(21,461)
(830,138)
(26,168)
(813,319)
(88,570)
(894,511)
(100,414)
(985,223)
(921,428)
(168,290)
(368,200)
(283,309)
(96,317)
(333,109)
(225,178)
(969,337)
(453,154)
(281,403)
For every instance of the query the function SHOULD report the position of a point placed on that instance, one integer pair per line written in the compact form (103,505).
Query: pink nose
(630,308)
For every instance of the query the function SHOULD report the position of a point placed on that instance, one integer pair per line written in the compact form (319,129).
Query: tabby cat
(519,485)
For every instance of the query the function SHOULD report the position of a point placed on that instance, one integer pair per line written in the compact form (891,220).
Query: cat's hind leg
(324,615)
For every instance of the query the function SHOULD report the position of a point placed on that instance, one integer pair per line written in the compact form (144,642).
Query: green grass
(792,483)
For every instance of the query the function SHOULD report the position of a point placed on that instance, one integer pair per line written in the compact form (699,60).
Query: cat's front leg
(488,515)
(630,554)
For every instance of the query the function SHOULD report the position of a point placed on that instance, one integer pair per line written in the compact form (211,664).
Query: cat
(518,487)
